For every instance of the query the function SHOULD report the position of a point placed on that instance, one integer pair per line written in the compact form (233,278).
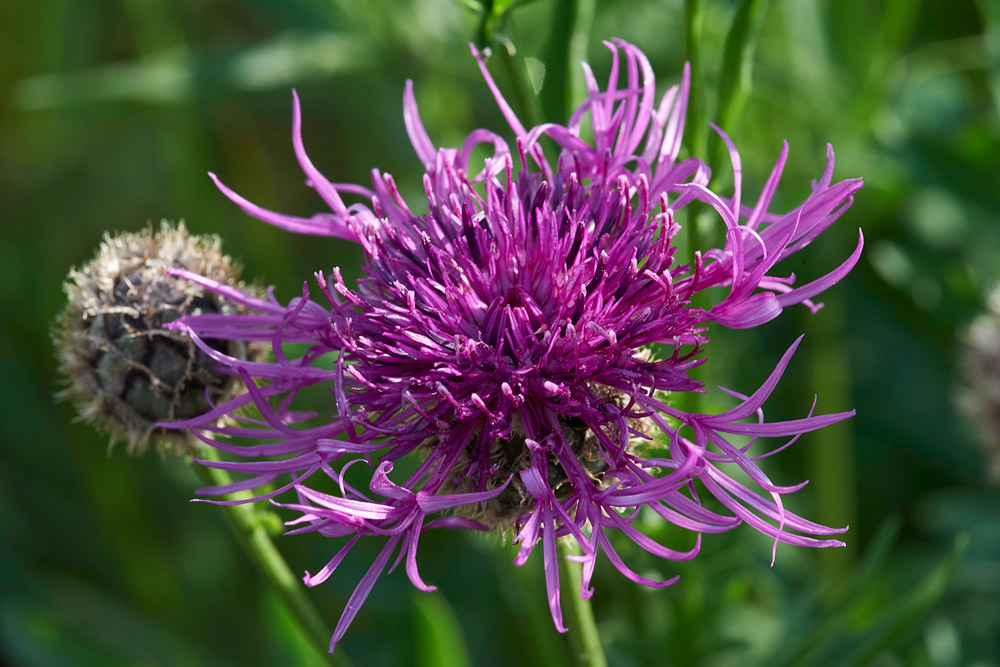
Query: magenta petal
(819,286)
(748,313)
(361,592)
(415,127)
(317,180)
(321,224)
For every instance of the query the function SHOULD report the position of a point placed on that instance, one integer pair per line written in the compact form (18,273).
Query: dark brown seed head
(122,369)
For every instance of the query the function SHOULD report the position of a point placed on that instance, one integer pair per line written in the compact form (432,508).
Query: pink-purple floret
(517,292)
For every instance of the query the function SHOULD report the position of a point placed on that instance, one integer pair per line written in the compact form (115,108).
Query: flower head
(979,395)
(122,369)
(501,337)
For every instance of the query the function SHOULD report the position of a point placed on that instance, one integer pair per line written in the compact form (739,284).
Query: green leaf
(860,625)
(81,624)
(295,646)
(439,634)
(172,76)
(903,618)
(696,135)
(737,67)
(494,16)
(814,634)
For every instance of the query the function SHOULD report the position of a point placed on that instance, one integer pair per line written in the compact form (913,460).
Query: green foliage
(439,634)
(114,112)
(737,66)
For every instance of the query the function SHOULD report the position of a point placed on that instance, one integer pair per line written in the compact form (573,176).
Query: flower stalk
(583,634)
(564,87)
(252,534)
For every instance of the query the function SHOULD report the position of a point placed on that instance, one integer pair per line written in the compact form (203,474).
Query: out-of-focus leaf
(171,76)
(834,641)
(439,634)
(991,16)
(902,619)
(521,592)
(817,630)
(737,66)
(287,637)
(696,132)
(81,625)
(978,513)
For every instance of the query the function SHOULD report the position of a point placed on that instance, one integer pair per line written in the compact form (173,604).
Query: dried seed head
(980,395)
(122,369)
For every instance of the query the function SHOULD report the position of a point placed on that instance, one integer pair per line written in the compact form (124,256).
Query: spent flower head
(979,395)
(123,370)
(500,339)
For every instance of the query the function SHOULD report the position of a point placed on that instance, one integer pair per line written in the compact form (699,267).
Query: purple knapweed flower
(501,338)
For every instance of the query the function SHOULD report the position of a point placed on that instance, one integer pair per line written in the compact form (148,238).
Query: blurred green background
(113,110)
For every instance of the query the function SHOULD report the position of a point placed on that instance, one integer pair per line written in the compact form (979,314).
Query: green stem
(833,474)
(696,134)
(492,31)
(695,127)
(696,141)
(564,87)
(580,617)
(516,70)
(256,542)
(735,76)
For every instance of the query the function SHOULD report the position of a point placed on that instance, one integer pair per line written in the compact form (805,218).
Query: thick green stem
(833,474)
(514,67)
(492,32)
(735,75)
(696,142)
(583,634)
(564,87)
(695,127)
(256,541)
(696,130)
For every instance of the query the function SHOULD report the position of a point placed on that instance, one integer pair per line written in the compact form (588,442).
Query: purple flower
(500,339)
